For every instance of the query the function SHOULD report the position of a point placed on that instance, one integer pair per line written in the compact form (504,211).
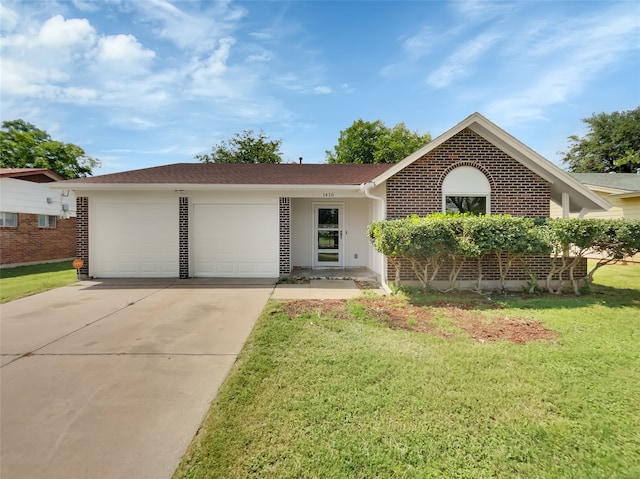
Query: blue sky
(151,82)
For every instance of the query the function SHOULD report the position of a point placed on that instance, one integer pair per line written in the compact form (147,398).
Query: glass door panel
(328,236)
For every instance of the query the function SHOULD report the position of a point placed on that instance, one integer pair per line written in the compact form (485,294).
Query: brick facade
(536,266)
(27,243)
(285,236)
(515,189)
(183,237)
(82,234)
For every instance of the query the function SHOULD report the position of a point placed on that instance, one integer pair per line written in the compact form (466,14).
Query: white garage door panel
(235,240)
(135,240)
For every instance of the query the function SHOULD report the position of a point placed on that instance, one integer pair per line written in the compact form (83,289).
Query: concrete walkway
(322,289)
(112,379)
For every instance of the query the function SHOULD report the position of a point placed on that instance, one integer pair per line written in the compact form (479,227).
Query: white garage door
(235,240)
(134,240)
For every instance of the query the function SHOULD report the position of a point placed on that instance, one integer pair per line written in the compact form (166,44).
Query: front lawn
(434,386)
(27,280)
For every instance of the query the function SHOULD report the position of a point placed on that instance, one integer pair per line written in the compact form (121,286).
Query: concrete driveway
(112,379)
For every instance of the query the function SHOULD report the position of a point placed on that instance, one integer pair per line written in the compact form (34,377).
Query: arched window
(466,190)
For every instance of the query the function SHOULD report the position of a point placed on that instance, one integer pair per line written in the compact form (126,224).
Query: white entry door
(328,242)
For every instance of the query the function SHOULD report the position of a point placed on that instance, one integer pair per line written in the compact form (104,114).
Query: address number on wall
(328,195)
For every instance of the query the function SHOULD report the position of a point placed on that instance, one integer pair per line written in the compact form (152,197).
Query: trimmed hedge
(429,242)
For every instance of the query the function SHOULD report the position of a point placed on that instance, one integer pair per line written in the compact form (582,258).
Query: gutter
(366,189)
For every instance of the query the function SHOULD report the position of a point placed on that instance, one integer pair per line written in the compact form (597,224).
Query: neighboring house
(622,190)
(37,224)
(243,220)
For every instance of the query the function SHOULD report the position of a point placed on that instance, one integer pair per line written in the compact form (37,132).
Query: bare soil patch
(439,319)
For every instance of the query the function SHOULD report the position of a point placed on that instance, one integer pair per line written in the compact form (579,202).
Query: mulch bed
(399,314)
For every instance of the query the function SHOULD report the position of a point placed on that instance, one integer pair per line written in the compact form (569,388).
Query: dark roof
(620,181)
(244,174)
(36,175)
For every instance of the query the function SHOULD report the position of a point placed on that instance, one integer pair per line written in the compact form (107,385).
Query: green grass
(325,397)
(27,280)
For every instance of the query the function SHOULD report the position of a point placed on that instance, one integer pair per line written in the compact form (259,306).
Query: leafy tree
(612,144)
(374,142)
(245,147)
(22,145)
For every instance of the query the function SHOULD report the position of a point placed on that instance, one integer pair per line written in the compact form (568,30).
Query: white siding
(19,196)
(621,208)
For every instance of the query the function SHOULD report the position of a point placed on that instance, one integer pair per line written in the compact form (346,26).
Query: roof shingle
(244,174)
(620,181)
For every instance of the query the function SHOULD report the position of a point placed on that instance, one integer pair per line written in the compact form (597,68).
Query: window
(8,220)
(466,204)
(45,221)
(466,190)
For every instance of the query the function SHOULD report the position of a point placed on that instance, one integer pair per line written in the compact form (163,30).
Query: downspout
(366,189)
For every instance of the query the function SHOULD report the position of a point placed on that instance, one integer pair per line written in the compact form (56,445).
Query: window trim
(3,218)
(49,220)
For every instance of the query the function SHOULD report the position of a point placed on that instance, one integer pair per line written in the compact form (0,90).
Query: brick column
(285,236)
(82,234)
(183,237)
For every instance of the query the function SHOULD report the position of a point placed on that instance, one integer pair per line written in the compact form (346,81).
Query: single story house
(261,220)
(37,224)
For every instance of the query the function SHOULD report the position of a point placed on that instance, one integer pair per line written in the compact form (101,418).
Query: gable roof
(580,197)
(617,184)
(240,174)
(36,175)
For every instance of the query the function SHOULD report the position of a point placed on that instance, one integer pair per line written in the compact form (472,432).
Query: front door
(328,235)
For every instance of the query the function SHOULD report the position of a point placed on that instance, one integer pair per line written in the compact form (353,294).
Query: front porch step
(358,274)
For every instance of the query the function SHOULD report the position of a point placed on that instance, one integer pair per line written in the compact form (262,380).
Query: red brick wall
(538,266)
(515,189)
(27,243)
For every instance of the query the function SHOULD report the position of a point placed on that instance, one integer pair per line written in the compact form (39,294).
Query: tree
(22,145)
(612,144)
(245,147)
(374,142)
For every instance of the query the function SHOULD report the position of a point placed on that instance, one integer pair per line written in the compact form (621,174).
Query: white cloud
(123,49)
(322,90)
(206,75)
(481,10)
(421,43)
(197,30)
(23,79)
(79,95)
(9,19)
(58,33)
(459,63)
(86,5)
(571,55)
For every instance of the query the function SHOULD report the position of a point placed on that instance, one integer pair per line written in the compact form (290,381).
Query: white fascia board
(632,194)
(607,189)
(284,190)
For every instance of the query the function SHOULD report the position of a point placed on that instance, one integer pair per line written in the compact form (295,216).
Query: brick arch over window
(472,164)
(466,189)
(515,190)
